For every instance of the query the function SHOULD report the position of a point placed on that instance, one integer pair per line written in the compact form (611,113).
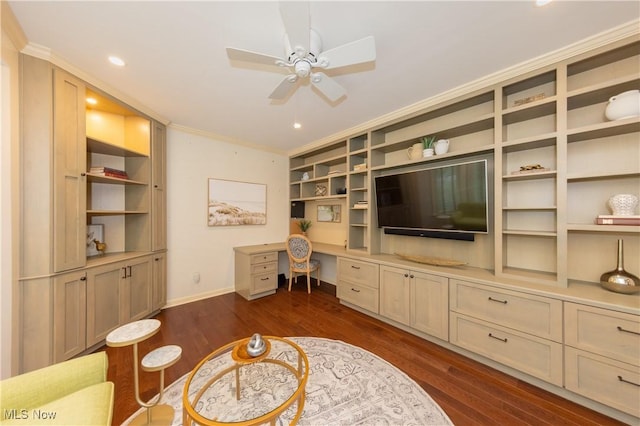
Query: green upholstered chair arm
(38,387)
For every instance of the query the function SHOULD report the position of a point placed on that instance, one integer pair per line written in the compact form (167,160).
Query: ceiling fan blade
(248,56)
(327,86)
(295,17)
(286,86)
(356,52)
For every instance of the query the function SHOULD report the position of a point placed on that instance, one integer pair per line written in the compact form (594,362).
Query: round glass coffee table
(230,386)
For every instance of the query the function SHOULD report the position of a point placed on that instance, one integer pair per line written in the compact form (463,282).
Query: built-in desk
(256,267)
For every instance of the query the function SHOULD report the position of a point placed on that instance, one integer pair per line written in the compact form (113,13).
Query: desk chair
(299,250)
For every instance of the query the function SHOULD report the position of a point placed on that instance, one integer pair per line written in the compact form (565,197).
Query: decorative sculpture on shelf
(101,247)
(619,280)
(256,345)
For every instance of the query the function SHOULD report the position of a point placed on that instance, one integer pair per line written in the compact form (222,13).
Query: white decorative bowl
(623,204)
(624,105)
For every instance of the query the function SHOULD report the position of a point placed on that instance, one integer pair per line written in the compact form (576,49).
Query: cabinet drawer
(608,333)
(264,257)
(363,296)
(537,315)
(538,357)
(264,282)
(363,273)
(604,380)
(264,268)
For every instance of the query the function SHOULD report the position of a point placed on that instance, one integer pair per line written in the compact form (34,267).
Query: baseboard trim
(196,297)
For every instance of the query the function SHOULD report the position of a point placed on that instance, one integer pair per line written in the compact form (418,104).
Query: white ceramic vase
(624,105)
(427,152)
(623,204)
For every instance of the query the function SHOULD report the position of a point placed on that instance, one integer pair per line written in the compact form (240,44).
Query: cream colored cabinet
(69,315)
(358,283)
(158,186)
(416,299)
(137,288)
(103,301)
(117,293)
(256,274)
(159,282)
(395,294)
(52,150)
(602,356)
(516,329)
(52,324)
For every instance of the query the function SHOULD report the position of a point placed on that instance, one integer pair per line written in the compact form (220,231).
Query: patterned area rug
(347,386)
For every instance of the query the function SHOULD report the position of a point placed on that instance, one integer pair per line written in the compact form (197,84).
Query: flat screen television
(448,201)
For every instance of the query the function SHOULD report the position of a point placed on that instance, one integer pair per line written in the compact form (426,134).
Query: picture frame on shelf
(236,203)
(329,213)
(94,232)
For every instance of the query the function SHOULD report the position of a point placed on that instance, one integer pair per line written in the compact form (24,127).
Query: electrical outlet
(196,277)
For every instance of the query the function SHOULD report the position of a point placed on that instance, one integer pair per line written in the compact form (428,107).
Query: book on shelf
(606,219)
(109,172)
(361,205)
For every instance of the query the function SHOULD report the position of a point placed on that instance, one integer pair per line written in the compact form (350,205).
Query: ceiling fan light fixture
(302,68)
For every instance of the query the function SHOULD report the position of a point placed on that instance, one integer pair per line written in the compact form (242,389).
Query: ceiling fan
(304,56)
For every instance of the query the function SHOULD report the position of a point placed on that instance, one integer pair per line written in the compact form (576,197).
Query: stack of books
(108,171)
(360,167)
(607,219)
(361,205)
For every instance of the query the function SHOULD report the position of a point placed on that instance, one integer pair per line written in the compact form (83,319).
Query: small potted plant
(304,225)
(427,145)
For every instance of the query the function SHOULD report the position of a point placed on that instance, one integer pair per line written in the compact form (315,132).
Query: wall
(194,247)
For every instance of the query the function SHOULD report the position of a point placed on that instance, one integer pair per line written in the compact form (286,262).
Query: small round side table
(131,334)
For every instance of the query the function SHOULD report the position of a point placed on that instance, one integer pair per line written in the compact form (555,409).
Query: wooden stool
(158,360)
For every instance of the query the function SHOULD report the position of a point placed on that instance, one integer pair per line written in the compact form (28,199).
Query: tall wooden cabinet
(69,301)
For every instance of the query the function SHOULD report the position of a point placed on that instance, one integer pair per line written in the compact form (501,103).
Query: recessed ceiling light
(297,125)
(542,2)
(116,61)
(91,101)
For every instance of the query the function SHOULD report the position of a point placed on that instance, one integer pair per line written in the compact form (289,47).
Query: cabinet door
(103,301)
(158,190)
(69,164)
(69,315)
(430,304)
(395,294)
(137,289)
(159,286)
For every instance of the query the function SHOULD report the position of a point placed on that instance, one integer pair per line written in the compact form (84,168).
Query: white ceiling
(177,65)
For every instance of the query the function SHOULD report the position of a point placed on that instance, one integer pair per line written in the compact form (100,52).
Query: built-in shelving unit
(119,138)
(544,229)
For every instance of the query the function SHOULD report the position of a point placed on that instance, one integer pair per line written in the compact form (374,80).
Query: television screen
(447,198)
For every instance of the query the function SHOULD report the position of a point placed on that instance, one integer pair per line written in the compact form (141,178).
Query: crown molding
(227,139)
(615,34)
(11,27)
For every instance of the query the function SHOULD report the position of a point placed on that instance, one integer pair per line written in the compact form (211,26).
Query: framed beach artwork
(236,203)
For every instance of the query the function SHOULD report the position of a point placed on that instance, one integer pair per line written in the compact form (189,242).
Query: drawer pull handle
(264,279)
(627,381)
(355,289)
(498,338)
(497,300)
(355,267)
(627,331)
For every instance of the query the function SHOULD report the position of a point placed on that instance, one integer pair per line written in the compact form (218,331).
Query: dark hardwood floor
(469,392)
